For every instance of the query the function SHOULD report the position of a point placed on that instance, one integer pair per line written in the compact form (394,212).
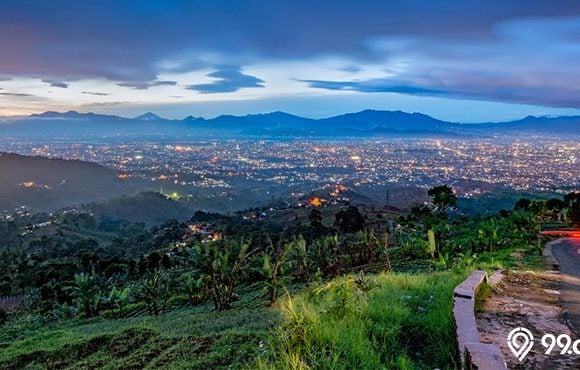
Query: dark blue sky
(461,60)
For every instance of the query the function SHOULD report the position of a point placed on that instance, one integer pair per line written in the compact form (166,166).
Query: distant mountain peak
(191,118)
(53,114)
(366,122)
(149,116)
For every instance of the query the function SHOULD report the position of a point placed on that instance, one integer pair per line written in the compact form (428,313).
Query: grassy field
(382,320)
(184,338)
(386,320)
(180,339)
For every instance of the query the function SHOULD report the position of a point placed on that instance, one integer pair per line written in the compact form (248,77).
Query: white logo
(520,341)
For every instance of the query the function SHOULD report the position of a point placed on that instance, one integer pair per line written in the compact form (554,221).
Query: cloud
(229,79)
(16,94)
(531,61)
(96,93)
(106,104)
(129,40)
(374,85)
(144,85)
(445,47)
(60,84)
(514,94)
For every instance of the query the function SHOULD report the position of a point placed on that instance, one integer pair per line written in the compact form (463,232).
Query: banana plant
(194,288)
(86,293)
(274,262)
(222,264)
(118,299)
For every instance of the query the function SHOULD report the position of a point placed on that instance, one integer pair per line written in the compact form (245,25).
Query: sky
(468,61)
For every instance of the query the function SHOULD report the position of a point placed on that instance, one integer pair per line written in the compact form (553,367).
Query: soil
(530,300)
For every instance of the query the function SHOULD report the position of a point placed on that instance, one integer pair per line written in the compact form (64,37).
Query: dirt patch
(529,300)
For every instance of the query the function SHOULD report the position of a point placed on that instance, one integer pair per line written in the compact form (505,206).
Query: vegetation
(391,320)
(362,291)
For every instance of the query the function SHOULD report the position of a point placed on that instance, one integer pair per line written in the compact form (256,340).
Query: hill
(45,184)
(150,208)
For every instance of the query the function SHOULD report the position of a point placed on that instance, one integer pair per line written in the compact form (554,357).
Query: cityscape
(289,184)
(474,167)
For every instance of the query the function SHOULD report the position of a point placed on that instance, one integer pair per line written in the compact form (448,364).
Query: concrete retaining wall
(474,354)
(554,264)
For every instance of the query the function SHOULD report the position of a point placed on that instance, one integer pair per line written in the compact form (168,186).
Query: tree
(431,246)
(420,215)
(3,316)
(571,197)
(442,198)
(384,240)
(315,218)
(523,204)
(573,202)
(575,212)
(324,253)
(369,247)
(350,220)
(538,209)
(555,204)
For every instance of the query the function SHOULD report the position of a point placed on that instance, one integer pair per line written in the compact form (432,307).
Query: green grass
(180,339)
(405,322)
(513,258)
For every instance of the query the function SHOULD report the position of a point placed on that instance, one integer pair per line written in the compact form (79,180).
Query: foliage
(274,263)
(3,316)
(118,299)
(349,220)
(155,290)
(404,321)
(222,264)
(86,293)
(194,288)
(142,271)
(443,197)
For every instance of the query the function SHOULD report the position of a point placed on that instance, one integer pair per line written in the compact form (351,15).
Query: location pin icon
(520,341)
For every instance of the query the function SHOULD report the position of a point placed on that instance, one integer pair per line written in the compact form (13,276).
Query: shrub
(3,316)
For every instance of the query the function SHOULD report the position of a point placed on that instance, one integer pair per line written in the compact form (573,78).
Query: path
(567,252)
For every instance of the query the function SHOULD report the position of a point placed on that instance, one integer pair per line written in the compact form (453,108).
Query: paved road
(567,252)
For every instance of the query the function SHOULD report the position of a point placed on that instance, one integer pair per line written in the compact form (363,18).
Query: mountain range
(367,123)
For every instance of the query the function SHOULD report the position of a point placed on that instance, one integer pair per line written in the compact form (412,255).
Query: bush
(3,316)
